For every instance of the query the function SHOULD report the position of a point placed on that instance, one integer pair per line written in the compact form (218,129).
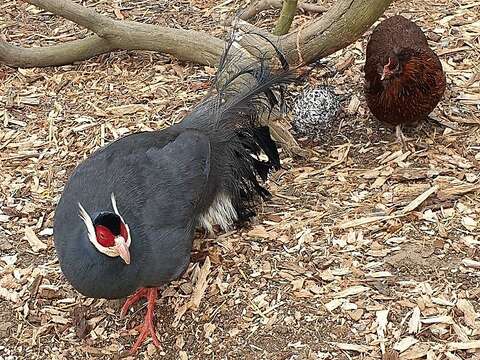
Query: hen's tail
(243,152)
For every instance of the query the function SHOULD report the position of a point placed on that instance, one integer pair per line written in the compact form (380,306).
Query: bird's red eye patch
(104,236)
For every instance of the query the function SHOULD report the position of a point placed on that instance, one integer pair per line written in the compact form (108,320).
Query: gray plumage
(204,169)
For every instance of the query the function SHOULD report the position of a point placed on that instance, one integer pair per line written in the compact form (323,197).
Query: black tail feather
(244,92)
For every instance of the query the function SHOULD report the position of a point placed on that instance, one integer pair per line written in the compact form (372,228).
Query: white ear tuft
(88,223)
(114,204)
(115,209)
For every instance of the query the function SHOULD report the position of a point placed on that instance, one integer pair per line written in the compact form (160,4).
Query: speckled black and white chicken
(314,110)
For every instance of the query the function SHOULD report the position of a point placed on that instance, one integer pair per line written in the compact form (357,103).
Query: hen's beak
(122,248)
(386,73)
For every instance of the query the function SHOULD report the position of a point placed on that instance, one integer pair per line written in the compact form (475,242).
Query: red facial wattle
(104,236)
(387,69)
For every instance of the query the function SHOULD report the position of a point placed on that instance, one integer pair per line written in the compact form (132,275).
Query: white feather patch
(115,209)
(88,223)
(221,212)
(92,236)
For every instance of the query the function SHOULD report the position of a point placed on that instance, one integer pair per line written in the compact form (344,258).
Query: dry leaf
(35,243)
(451,356)
(469,223)
(442,319)
(197,293)
(127,109)
(200,285)
(363,221)
(354,290)
(80,323)
(420,199)
(9,295)
(468,312)
(453,346)
(209,328)
(356,314)
(405,344)
(415,325)
(258,232)
(382,322)
(391,355)
(118,13)
(353,347)
(418,351)
(332,305)
(297,284)
(471,263)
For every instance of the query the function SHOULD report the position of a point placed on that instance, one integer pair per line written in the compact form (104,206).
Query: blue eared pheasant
(125,222)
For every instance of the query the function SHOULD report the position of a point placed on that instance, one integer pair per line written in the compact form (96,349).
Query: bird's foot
(148,328)
(132,300)
(401,138)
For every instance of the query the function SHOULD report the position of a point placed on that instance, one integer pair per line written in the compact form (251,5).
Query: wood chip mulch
(366,251)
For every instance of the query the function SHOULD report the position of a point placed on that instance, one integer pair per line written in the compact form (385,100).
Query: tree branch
(341,25)
(193,46)
(286,17)
(61,54)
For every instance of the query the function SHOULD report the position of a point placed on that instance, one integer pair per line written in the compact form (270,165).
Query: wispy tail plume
(246,89)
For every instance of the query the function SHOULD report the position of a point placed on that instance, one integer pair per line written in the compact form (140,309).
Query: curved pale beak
(122,248)
(386,72)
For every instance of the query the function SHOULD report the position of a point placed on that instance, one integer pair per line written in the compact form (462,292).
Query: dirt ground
(347,261)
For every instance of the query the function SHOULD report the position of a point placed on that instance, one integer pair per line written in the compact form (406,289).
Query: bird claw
(401,138)
(148,328)
(132,300)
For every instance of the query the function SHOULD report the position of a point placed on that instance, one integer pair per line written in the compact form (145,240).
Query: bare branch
(263,5)
(195,46)
(286,17)
(345,22)
(340,26)
(62,54)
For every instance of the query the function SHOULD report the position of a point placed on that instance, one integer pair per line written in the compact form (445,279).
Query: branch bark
(286,17)
(341,25)
(110,34)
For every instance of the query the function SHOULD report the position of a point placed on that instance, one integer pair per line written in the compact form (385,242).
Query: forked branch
(341,25)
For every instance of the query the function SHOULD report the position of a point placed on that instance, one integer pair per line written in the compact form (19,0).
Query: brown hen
(404,79)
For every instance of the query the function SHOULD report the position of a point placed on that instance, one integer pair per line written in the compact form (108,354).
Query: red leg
(132,300)
(147,328)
